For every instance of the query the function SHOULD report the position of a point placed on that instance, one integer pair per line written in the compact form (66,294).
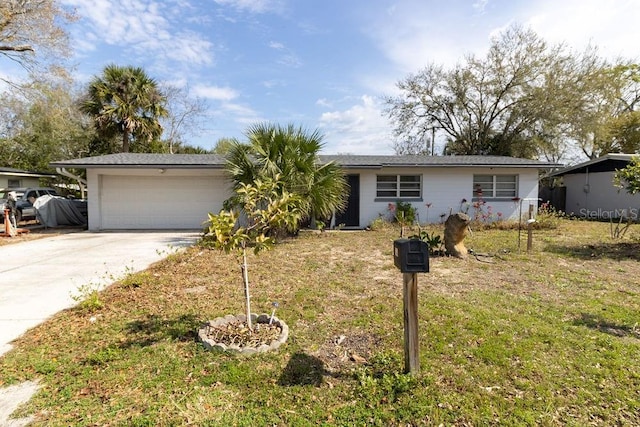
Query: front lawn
(547,338)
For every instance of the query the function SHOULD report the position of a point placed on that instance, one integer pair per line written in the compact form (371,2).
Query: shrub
(403,212)
(435,242)
(548,217)
(380,223)
(88,297)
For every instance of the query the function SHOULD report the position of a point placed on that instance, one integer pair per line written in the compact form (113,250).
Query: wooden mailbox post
(411,256)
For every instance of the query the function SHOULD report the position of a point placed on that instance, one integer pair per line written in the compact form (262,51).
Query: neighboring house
(16,178)
(590,192)
(176,191)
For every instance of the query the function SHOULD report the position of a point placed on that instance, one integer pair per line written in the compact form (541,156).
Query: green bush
(435,242)
(404,212)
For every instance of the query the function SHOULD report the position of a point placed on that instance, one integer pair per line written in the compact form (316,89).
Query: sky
(320,64)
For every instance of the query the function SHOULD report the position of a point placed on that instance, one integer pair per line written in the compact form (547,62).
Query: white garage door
(140,202)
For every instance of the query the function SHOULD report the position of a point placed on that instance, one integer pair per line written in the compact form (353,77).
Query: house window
(13,183)
(399,186)
(495,186)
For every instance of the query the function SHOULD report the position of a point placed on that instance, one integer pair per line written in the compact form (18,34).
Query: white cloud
(288,57)
(270,84)
(149,28)
(611,25)
(414,33)
(253,6)
(360,129)
(224,105)
(215,93)
(480,5)
(323,102)
(290,60)
(240,114)
(188,47)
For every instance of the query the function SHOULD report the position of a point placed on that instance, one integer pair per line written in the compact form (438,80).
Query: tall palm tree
(125,101)
(291,154)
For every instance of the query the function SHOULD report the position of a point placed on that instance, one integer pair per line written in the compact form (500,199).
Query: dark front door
(351,216)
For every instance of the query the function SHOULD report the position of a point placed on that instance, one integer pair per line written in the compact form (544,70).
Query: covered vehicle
(26,197)
(53,211)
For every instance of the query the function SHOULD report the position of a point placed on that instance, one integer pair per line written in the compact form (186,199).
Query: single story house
(590,192)
(176,191)
(16,178)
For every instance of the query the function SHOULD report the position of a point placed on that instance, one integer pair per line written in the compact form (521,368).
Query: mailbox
(411,255)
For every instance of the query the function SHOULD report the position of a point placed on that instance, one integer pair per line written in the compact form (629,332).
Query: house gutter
(81,181)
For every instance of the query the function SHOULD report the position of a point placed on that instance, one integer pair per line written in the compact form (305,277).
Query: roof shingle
(153,160)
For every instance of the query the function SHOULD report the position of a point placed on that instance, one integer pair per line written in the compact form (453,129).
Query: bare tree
(30,31)
(185,116)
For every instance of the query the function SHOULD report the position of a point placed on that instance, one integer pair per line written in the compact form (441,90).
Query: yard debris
(358,359)
(342,351)
(238,333)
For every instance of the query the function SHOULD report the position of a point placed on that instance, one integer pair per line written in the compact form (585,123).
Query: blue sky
(322,64)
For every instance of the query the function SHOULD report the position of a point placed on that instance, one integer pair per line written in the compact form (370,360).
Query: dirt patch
(346,351)
(37,231)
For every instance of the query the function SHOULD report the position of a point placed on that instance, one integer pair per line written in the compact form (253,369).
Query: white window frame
(496,187)
(397,186)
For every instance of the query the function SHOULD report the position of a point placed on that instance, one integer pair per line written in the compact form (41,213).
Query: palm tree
(125,101)
(291,154)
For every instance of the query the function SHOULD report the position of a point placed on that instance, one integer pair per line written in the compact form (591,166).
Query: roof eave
(610,156)
(455,165)
(135,166)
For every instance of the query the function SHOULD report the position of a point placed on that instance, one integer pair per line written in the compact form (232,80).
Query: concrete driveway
(38,277)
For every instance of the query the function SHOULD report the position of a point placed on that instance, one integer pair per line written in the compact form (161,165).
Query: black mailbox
(411,255)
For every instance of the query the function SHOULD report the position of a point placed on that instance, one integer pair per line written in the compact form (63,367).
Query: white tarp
(53,211)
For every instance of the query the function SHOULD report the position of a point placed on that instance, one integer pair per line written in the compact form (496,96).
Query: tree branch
(23,48)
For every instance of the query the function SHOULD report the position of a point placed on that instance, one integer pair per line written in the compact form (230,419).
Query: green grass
(546,338)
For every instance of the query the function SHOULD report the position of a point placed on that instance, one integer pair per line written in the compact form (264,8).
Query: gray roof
(606,163)
(349,161)
(214,161)
(19,172)
(145,160)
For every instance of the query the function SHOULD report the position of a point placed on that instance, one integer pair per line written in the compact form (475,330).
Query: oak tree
(628,178)
(524,98)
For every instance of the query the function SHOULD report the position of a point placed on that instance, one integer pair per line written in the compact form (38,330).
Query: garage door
(140,202)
